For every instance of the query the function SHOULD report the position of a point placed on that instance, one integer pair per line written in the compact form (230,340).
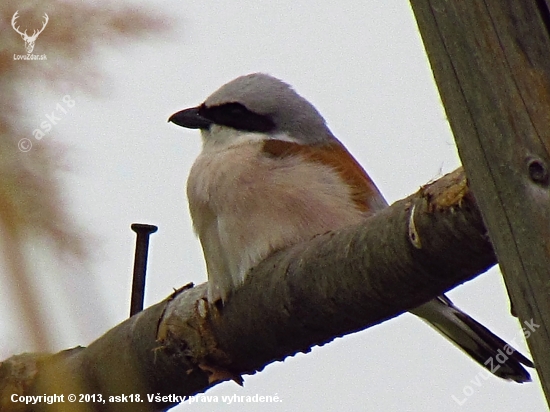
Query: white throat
(222,137)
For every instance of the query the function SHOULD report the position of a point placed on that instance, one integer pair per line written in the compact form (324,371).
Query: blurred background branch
(33,209)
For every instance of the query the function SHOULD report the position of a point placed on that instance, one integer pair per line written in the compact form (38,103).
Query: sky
(362,64)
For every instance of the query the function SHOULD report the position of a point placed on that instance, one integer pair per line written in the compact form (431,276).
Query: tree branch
(307,295)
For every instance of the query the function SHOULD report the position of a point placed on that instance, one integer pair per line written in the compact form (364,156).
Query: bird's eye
(235,110)
(237,116)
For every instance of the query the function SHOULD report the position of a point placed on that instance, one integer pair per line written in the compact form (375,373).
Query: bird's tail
(476,340)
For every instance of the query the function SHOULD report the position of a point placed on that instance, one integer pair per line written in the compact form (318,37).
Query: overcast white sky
(362,64)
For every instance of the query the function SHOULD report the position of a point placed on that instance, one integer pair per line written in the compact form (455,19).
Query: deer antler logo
(29,40)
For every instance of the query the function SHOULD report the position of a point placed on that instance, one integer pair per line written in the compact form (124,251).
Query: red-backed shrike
(272,174)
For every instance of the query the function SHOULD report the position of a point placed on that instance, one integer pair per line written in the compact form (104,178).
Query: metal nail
(140,265)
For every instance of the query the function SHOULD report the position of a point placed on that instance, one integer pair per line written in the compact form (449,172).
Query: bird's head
(255,104)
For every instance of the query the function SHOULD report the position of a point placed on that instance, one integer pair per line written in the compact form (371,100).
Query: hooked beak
(190,119)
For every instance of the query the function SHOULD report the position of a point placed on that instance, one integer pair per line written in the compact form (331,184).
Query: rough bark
(307,295)
(491,63)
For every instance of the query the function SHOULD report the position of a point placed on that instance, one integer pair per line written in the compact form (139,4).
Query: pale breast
(249,204)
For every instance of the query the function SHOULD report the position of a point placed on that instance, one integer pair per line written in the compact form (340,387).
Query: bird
(271,174)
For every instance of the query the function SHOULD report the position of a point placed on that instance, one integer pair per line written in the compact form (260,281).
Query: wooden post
(491,63)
